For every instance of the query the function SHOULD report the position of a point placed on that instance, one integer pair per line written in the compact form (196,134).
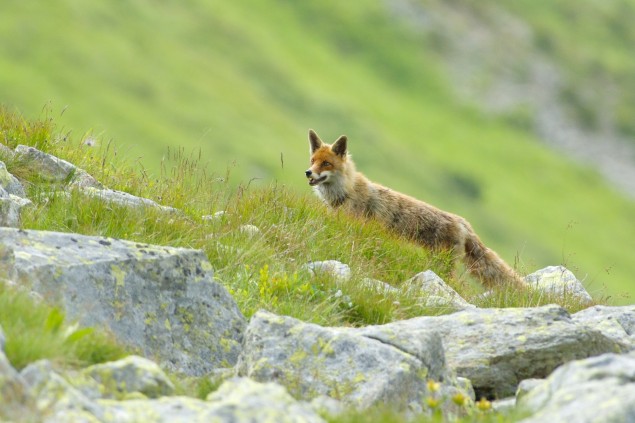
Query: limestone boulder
(359,369)
(559,282)
(10,183)
(124,199)
(163,301)
(132,374)
(338,270)
(6,151)
(15,401)
(434,291)
(615,322)
(237,400)
(53,169)
(10,206)
(258,401)
(595,389)
(95,395)
(497,348)
(56,398)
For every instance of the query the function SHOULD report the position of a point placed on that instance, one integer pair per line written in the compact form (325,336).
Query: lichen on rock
(132,374)
(595,389)
(344,364)
(134,289)
(497,348)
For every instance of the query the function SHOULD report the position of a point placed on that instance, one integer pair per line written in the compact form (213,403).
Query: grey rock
(6,151)
(266,401)
(560,282)
(124,199)
(130,375)
(162,300)
(219,375)
(15,401)
(617,323)
(379,286)
(8,274)
(83,179)
(525,386)
(466,386)
(10,183)
(327,406)
(236,401)
(84,387)
(162,410)
(434,291)
(55,397)
(36,373)
(54,169)
(497,348)
(504,405)
(340,271)
(360,370)
(70,416)
(71,398)
(592,390)
(49,167)
(10,206)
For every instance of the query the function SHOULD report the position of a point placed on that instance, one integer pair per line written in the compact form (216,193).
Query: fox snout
(316,178)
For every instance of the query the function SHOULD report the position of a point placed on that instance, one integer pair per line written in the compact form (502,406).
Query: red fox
(334,178)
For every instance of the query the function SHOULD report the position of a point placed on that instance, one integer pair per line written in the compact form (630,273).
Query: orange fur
(335,179)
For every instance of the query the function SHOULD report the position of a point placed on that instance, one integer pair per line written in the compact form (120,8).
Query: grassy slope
(243,81)
(261,271)
(595,44)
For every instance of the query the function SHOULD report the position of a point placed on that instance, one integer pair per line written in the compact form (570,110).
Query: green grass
(266,270)
(36,331)
(261,271)
(242,82)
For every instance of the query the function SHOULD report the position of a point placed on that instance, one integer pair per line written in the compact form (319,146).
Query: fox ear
(339,146)
(314,140)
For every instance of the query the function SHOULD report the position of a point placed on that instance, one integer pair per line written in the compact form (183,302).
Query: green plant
(35,331)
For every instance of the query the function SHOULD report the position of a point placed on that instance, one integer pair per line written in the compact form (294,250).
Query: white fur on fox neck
(335,190)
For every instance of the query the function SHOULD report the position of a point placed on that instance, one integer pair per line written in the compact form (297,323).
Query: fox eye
(325,164)
(312,161)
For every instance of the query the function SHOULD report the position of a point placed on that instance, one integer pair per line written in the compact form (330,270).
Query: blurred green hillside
(241,82)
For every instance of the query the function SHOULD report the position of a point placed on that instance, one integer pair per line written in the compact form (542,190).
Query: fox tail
(486,265)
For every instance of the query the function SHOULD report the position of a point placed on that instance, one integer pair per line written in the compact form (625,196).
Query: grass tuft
(36,331)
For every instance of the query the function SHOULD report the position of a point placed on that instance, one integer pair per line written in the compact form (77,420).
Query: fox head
(326,160)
